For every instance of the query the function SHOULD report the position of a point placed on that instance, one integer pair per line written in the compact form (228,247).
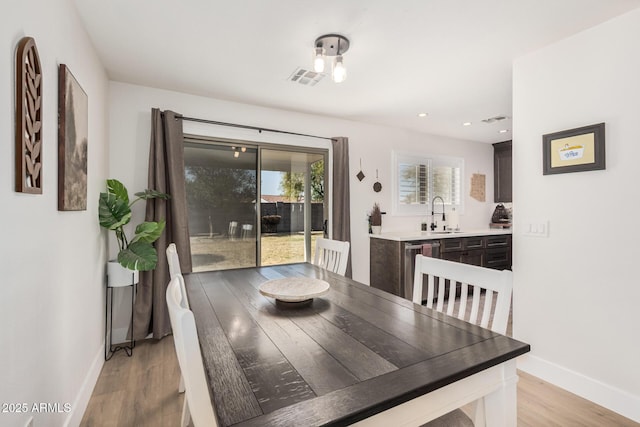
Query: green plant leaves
(152,194)
(118,189)
(148,232)
(141,256)
(113,212)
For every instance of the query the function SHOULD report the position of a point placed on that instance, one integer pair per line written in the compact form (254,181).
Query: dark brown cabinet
(498,252)
(467,250)
(502,172)
(485,251)
(391,263)
(386,260)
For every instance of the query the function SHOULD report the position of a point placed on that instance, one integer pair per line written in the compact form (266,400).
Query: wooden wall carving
(28,118)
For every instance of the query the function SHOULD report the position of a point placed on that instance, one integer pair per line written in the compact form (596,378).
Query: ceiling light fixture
(422,114)
(504,130)
(237,150)
(466,124)
(331,46)
(318,60)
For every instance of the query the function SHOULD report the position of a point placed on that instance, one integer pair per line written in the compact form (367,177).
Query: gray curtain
(341,213)
(166,174)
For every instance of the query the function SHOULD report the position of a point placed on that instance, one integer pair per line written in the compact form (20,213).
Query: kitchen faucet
(433,224)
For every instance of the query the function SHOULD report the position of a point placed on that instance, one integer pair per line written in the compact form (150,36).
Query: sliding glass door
(237,220)
(221,201)
(292,205)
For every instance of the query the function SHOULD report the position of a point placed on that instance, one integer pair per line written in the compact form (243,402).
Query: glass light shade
(339,72)
(318,60)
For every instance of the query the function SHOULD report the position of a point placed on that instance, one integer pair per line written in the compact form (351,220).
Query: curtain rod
(259,129)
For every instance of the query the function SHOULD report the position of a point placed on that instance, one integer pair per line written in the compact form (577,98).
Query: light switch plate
(537,229)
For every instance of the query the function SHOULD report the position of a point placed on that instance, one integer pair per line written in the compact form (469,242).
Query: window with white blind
(419,178)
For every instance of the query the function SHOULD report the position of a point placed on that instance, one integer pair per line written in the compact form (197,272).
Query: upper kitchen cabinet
(502,172)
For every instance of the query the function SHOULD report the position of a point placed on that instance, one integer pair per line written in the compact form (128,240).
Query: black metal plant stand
(109,348)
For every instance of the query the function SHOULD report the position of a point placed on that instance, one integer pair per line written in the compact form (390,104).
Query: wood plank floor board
(141,390)
(542,404)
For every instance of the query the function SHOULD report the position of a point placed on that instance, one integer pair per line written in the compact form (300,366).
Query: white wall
(130,108)
(577,292)
(52,303)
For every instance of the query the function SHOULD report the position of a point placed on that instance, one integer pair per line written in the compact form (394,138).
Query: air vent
(305,77)
(495,119)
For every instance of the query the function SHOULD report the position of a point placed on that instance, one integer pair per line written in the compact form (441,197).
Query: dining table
(353,355)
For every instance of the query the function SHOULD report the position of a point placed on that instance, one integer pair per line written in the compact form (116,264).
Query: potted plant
(375,219)
(114,213)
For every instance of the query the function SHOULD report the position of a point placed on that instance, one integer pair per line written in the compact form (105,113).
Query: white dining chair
(233,228)
(490,300)
(496,284)
(184,303)
(197,407)
(247,231)
(174,270)
(332,255)
(173,260)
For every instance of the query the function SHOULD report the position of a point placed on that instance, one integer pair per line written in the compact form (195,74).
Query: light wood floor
(142,390)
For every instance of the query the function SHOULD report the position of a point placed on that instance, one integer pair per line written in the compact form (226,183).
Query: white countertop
(402,236)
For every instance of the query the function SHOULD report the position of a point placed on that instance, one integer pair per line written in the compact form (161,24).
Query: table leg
(500,406)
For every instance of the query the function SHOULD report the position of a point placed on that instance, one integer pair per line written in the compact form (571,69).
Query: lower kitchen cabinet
(473,257)
(484,251)
(391,263)
(467,250)
(386,260)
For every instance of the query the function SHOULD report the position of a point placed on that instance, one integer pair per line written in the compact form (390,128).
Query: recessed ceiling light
(422,114)
(466,124)
(504,130)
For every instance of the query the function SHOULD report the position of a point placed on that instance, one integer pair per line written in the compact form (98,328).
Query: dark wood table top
(352,353)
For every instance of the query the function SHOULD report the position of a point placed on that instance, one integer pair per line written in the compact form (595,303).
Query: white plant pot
(376,229)
(118,276)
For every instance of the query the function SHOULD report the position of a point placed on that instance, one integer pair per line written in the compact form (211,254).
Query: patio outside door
(221,201)
(292,205)
(230,225)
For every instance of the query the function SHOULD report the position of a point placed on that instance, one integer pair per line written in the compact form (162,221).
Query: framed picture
(574,150)
(73,129)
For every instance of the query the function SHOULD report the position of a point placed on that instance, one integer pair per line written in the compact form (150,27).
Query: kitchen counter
(402,236)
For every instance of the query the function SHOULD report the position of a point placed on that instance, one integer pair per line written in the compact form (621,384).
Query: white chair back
(175,271)
(332,255)
(198,405)
(495,283)
(233,227)
(195,379)
(173,260)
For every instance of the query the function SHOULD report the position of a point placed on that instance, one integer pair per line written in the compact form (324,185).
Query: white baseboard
(612,398)
(86,390)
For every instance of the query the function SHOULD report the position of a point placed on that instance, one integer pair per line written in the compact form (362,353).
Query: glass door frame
(260,146)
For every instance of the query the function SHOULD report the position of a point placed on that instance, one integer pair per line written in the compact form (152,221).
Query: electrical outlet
(29,422)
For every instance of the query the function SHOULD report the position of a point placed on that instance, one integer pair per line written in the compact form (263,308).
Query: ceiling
(449,58)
